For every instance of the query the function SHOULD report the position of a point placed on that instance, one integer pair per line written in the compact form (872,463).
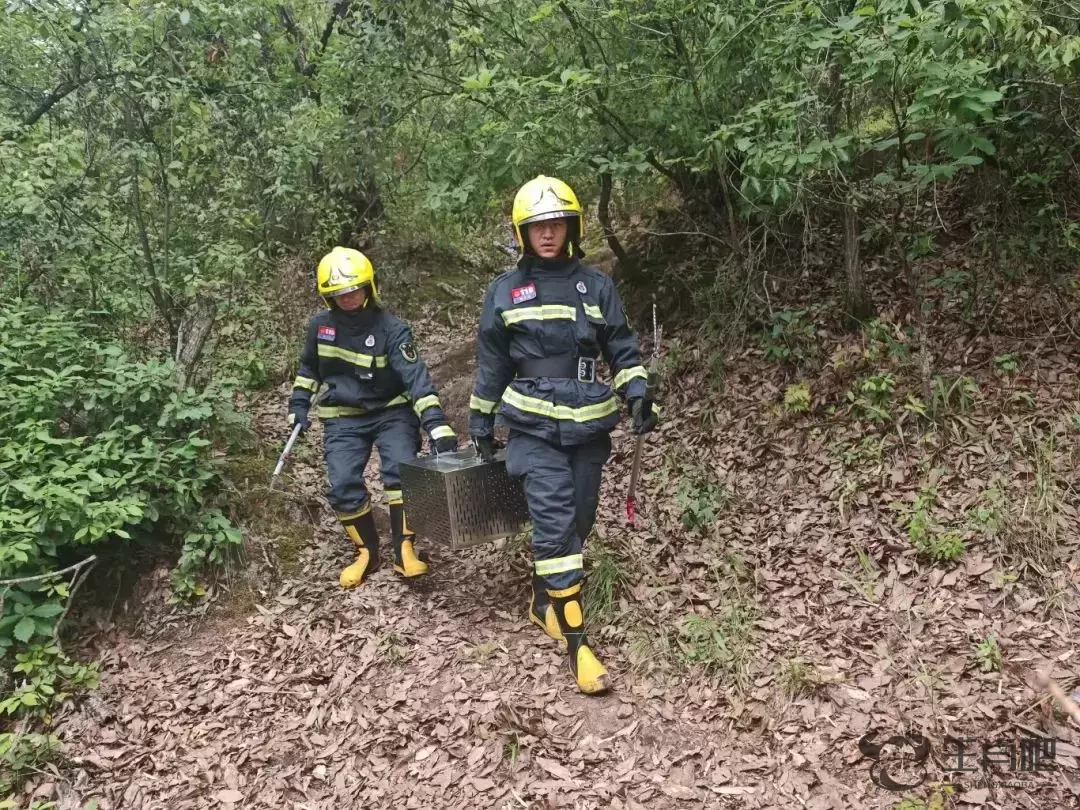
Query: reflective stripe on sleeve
(628,374)
(594,312)
(482,405)
(422,404)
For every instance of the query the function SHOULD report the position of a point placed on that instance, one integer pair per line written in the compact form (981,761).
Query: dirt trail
(439,694)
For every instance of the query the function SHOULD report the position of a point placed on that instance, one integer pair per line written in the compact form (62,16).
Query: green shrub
(97,447)
(872,396)
(791,336)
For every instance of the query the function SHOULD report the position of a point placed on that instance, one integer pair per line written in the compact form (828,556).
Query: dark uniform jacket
(368,362)
(546,310)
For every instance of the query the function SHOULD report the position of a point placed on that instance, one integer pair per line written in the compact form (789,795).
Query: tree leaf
(24,629)
(48,610)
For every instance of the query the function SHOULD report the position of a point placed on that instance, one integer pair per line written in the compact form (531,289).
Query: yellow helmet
(344,270)
(546,198)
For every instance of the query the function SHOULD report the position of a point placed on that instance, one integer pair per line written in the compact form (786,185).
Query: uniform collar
(357,318)
(560,266)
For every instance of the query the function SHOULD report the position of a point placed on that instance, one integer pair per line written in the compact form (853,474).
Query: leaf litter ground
(750,651)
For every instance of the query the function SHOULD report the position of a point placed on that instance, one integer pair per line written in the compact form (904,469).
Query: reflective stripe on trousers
(562,487)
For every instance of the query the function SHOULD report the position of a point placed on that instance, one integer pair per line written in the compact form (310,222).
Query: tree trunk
(191,337)
(625,268)
(913,270)
(859,308)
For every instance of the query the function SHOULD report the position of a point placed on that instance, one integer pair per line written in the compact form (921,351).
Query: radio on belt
(458,499)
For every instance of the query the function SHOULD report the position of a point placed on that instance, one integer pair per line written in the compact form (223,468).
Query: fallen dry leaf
(555,769)
(812,604)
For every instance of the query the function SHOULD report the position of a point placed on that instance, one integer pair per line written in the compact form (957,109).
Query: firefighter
(543,326)
(378,393)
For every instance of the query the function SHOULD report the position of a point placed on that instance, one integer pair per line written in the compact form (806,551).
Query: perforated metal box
(458,499)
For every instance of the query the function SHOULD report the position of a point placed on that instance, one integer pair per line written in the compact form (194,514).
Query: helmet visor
(346,290)
(549,215)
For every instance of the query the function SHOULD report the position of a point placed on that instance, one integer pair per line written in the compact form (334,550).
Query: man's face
(547,236)
(351,301)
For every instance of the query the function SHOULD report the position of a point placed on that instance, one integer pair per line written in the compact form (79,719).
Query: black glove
(486,447)
(447,444)
(299,415)
(642,415)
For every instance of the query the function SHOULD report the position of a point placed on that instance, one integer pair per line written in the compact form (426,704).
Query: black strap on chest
(582,369)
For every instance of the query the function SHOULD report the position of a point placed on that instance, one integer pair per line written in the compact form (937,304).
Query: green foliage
(47,678)
(883,343)
(700,500)
(204,140)
(98,447)
(721,644)
(855,453)
(790,336)
(952,395)
(207,542)
(1005,364)
(991,513)
(938,799)
(797,398)
(871,397)
(23,753)
(988,654)
(799,678)
(182,153)
(609,575)
(928,538)
(951,280)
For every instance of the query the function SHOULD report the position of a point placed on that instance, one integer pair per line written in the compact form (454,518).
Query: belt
(582,369)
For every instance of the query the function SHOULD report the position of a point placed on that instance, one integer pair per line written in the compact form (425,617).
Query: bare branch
(41,577)
(62,91)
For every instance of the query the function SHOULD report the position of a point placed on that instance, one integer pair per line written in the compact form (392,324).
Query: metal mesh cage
(457,499)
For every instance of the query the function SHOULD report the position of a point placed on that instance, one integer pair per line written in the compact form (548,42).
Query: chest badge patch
(370,341)
(327,333)
(581,288)
(521,294)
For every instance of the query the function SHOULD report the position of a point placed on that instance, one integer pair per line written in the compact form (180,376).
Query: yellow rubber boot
(541,612)
(360,528)
(592,678)
(406,562)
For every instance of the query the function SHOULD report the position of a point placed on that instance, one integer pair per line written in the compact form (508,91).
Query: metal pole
(650,393)
(285,453)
